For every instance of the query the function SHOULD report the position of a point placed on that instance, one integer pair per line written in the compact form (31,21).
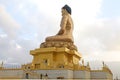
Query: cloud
(107,32)
(12,52)
(7,23)
(101,39)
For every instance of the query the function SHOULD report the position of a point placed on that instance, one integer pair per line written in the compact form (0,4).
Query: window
(61,66)
(28,67)
(37,66)
(45,61)
(27,76)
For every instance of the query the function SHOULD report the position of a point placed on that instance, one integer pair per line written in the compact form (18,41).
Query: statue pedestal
(59,44)
(55,58)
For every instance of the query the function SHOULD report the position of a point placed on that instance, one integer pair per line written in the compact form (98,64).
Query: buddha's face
(64,12)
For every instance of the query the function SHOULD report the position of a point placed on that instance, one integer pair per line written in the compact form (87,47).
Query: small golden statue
(65,33)
(64,37)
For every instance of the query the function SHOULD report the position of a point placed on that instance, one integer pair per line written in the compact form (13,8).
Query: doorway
(27,76)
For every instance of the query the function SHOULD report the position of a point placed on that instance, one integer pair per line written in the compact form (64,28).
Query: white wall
(11,73)
(53,74)
(81,75)
(98,75)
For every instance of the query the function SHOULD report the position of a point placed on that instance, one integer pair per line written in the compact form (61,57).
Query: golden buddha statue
(64,37)
(65,33)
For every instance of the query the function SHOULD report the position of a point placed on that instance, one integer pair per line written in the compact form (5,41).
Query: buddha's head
(66,10)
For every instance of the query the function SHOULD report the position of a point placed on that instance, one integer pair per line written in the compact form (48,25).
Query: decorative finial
(2,64)
(88,65)
(83,62)
(103,64)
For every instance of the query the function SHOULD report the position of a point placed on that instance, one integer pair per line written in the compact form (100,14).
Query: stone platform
(59,44)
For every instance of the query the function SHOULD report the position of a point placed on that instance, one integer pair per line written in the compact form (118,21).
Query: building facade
(55,63)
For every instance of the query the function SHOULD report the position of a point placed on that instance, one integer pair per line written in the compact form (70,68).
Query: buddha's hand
(61,31)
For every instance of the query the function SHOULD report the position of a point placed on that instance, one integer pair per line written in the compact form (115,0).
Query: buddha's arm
(63,22)
(63,25)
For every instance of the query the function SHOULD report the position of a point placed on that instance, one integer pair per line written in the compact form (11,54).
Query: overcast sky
(24,24)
